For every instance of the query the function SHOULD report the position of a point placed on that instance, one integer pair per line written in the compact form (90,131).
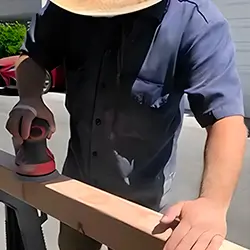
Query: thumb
(52,125)
(172,213)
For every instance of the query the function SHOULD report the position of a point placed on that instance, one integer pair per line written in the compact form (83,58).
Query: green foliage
(11,38)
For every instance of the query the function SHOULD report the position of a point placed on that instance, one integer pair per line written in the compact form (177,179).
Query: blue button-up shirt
(126,77)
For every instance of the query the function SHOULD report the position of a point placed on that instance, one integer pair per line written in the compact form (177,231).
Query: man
(127,66)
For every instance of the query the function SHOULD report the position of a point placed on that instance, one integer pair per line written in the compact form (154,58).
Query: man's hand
(202,225)
(22,116)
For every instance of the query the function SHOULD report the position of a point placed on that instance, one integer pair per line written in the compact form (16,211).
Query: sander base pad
(42,178)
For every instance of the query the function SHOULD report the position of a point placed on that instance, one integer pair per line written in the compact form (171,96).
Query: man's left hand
(202,225)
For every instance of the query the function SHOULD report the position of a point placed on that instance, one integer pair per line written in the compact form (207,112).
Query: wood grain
(113,221)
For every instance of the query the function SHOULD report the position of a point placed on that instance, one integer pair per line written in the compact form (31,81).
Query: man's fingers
(178,234)
(26,124)
(216,243)
(49,135)
(22,115)
(203,241)
(189,239)
(172,213)
(52,124)
(52,127)
(13,124)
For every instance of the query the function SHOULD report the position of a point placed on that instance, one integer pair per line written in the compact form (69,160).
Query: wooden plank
(115,222)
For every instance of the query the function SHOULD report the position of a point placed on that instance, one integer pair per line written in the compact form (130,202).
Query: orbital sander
(34,161)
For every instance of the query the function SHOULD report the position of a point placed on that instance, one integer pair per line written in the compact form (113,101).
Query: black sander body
(34,161)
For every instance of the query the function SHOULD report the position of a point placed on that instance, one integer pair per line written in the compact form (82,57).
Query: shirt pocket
(148,93)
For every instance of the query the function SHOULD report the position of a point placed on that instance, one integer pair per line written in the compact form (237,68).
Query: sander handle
(33,158)
(34,150)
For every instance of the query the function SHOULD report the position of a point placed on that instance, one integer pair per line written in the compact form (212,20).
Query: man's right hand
(22,115)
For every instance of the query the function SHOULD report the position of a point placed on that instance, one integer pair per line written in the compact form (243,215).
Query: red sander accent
(34,161)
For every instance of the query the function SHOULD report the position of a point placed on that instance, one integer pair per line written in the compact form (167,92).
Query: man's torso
(124,128)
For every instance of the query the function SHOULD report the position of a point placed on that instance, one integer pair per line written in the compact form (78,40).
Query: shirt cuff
(209,118)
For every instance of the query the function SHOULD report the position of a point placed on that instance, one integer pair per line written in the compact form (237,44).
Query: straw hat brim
(100,9)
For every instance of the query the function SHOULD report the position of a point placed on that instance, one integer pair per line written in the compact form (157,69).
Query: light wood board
(113,221)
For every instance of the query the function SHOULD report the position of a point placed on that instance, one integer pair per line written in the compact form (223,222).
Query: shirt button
(94,153)
(98,122)
(108,51)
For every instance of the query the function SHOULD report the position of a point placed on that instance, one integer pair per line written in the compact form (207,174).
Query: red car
(55,78)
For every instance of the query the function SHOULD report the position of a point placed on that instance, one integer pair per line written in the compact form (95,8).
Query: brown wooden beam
(113,221)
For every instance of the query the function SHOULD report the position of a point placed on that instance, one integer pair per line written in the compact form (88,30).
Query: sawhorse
(23,225)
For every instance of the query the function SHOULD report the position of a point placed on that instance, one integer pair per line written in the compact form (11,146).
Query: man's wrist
(30,79)
(219,201)
(30,99)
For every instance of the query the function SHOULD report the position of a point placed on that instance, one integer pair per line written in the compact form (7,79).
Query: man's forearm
(30,78)
(224,152)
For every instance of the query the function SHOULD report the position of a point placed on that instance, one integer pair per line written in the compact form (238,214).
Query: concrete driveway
(186,183)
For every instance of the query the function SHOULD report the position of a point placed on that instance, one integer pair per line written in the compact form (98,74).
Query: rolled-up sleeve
(45,39)
(213,87)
